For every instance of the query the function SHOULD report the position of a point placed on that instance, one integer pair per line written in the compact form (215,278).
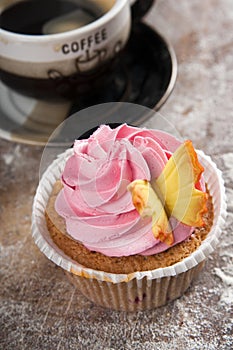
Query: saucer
(145,75)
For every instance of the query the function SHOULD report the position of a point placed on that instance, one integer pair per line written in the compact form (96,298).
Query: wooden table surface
(39,308)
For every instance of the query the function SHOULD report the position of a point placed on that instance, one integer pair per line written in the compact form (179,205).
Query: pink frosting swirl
(95,202)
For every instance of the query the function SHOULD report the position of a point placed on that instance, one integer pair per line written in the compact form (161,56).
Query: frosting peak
(95,201)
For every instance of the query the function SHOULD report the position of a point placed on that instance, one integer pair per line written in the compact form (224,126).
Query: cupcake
(131,214)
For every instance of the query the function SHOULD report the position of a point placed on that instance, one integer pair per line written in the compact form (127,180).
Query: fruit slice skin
(176,186)
(173,193)
(147,203)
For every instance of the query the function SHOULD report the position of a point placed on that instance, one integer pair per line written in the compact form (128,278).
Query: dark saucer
(144,75)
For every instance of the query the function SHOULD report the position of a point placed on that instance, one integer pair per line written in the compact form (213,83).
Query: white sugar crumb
(8,158)
(227,279)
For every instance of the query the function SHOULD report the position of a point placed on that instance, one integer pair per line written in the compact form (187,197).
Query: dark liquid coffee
(41,17)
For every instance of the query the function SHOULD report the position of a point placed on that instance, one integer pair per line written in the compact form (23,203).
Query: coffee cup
(52,45)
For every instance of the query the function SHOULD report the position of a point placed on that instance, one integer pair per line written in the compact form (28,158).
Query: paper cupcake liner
(137,294)
(138,290)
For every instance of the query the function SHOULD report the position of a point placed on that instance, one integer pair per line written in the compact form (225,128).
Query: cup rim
(106,17)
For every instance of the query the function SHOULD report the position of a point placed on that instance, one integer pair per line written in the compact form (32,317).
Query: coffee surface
(42,17)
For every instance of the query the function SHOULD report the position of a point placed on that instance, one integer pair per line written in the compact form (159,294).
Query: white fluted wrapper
(139,290)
